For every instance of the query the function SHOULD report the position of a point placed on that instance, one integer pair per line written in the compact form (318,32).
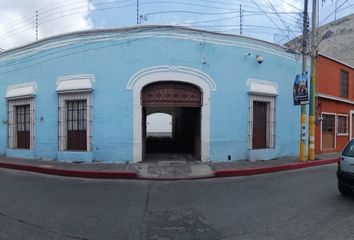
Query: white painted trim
(75,83)
(322,95)
(335,129)
(21,90)
(167,72)
(62,118)
(171,73)
(153,32)
(270,99)
(351,126)
(261,87)
(343,115)
(12,133)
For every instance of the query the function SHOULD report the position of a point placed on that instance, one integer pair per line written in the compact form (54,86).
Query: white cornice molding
(129,34)
(326,96)
(172,73)
(256,86)
(21,90)
(75,83)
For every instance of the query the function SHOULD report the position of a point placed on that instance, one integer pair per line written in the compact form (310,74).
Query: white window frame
(62,124)
(346,133)
(350,124)
(12,133)
(270,119)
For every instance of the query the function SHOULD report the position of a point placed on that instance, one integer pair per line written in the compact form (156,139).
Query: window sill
(74,151)
(342,134)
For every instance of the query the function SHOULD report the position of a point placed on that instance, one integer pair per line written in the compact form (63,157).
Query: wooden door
(259,136)
(328,131)
(23,126)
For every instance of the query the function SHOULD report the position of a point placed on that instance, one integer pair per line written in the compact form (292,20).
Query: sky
(270,20)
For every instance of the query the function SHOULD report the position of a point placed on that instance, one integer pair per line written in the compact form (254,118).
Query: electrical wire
(56,12)
(277,14)
(267,16)
(333,12)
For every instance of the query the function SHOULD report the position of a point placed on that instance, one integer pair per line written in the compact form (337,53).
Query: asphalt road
(302,204)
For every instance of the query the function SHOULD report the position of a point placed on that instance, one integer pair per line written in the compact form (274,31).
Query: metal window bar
(342,124)
(21,123)
(269,121)
(260,128)
(23,126)
(328,123)
(76,125)
(63,116)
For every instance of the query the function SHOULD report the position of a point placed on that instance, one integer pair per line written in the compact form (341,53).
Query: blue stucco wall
(117,56)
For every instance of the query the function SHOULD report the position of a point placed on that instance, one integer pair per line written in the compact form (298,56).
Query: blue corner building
(85,96)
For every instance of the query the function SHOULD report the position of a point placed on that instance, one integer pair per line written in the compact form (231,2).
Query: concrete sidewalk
(163,170)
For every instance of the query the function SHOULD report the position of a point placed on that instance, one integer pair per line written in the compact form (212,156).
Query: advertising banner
(300,89)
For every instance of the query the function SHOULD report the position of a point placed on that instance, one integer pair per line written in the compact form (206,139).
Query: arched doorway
(183,102)
(181,74)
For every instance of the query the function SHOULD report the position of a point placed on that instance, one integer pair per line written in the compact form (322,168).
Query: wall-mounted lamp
(259,59)
(4,121)
(41,119)
(318,120)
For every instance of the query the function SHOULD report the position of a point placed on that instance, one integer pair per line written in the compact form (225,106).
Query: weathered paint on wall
(114,56)
(329,100)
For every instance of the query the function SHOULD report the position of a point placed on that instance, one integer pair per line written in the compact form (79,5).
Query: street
(302,204)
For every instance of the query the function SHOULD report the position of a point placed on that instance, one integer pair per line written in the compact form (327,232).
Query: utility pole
(240,19)
(304,63)
(313,81)
(335,10)
(36,25)
(137,13)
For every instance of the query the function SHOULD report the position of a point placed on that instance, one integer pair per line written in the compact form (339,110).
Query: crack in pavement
(146,211)
(42,228)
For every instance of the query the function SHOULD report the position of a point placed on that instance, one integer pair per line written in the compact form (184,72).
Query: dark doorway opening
(182,102)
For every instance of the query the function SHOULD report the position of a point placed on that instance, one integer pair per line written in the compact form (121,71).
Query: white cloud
(18,19)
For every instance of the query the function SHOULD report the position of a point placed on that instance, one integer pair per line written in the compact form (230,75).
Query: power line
(55,12)
(267,16)
(284,23)
(333,12)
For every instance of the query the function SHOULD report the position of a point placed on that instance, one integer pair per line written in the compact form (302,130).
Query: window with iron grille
(76,124)
(262,122)
(342,125)
(20,123)
(327,123)
(75,120)
(23,126)
(344,83)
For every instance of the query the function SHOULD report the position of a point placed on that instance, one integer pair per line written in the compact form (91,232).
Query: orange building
(335,105)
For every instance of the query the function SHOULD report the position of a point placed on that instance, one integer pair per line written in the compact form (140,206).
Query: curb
(134,175)
(175,178)
(72,173)
(263,170)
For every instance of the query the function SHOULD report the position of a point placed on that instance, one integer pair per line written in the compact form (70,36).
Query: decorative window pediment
(75,83)
(261,87)
(23,90)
